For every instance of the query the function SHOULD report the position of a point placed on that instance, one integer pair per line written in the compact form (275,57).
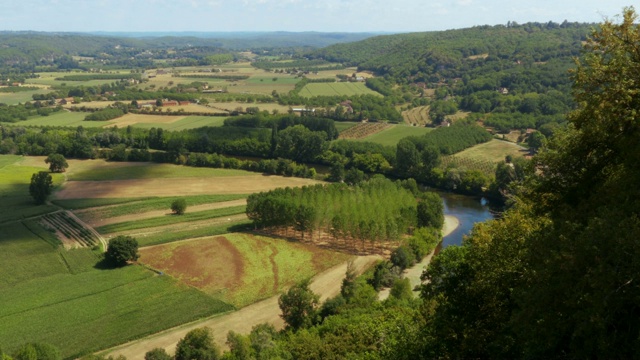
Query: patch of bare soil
(327,284)
(176,186)
(213,263)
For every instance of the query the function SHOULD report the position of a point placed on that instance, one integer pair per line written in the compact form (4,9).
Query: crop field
(63,118)
(336,89)
(16,203)
(345,125)
(362,130)
(95,309)
(49,79)
(417,116)
(240,268)
(484,157)
(493,151)
(186,122)
(20,97)
(392,135)
(325,74)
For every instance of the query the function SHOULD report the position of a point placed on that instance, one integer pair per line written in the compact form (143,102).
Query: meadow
(63,119)
(485,156)
(20,97)
(336,89)
(14,188)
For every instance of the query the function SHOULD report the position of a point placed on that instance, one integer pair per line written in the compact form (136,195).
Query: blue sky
(292,15)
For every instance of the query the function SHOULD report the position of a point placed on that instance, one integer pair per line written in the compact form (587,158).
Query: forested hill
(38,47)
(431,56)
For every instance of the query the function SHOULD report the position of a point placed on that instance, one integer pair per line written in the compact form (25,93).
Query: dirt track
(326,284)
(177,186)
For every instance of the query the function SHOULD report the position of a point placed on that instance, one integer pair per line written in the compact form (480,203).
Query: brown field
(239,268)
(176,186)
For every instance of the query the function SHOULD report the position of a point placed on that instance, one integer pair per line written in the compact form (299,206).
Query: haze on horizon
(291,15)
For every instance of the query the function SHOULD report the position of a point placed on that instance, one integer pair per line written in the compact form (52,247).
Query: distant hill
(428,55)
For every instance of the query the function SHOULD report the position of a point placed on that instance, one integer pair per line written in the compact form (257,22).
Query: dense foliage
(105,114)
(375,211)
(121,250)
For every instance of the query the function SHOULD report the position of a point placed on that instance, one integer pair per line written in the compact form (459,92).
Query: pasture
(390,136)
(64,119)
(240,268)
(336,89)
(20,97)
(15,176)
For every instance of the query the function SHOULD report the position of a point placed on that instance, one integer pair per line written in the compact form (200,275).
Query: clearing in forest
(418,116)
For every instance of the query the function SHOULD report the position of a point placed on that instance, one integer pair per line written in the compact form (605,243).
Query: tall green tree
(121,250)
(40,187)
(57,163)
(197,344)
(299,306)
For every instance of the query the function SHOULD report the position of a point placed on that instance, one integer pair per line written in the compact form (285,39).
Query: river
(469,210)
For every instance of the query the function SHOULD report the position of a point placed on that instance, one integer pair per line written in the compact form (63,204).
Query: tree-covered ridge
(452,53)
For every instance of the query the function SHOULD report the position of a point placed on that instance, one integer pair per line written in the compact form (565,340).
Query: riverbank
(413,273)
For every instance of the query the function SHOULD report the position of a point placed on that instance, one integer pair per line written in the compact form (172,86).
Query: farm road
(326,284)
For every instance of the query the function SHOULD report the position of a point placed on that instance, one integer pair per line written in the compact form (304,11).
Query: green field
(63,118)
(14,189)
(138,205)
(91,310)
(394,134)
(20,97)
(189,122)
(336,89)
(171,219)
(182,234)
(49,79)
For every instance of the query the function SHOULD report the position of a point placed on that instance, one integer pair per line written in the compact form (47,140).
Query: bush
(403,257)
(179,206)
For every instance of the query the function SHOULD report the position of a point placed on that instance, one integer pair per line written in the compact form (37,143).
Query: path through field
(326,284)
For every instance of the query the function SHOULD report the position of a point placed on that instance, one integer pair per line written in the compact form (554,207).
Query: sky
(292,15)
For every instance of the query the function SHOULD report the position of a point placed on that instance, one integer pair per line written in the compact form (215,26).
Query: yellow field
(494,151)
(133,119)
(231,106)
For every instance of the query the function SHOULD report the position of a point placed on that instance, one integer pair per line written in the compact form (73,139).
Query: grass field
(392,135)
(20,97)
(187,122)
(63,118)
(49,79)
(97,309)
(170,219)
(333,89)
(124,206)
(240,268)
(14,188)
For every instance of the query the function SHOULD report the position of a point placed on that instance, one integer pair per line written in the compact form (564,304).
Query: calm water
(468,210)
